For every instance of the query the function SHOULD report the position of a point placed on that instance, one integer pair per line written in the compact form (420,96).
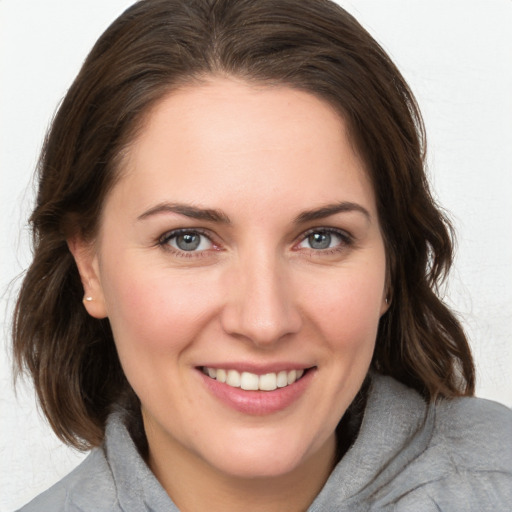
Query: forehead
(228,142)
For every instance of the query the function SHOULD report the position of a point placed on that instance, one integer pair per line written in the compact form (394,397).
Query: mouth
(253,382)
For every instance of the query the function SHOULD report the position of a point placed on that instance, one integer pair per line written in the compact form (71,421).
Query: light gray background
(457,57)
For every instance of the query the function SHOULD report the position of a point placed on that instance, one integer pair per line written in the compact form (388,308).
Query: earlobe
(386,303)
(86,260)
(387,296)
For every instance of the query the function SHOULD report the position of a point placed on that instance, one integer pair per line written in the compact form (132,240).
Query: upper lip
(258,369)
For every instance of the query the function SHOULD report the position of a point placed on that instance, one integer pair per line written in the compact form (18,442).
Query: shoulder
(476,433)
(113,478)
(452,455)
(467,465)
(467,433)
(88,487)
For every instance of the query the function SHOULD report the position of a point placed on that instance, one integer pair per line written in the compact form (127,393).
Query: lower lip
(258,403)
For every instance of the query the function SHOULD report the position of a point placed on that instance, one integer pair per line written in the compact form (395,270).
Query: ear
(387,296)
(86,260)
(386,302)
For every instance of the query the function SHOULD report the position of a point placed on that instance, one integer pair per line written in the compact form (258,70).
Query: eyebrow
(193,212)
(212,215)
(331,209)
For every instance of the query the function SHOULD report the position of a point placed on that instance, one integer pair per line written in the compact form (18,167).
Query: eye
(322,239)
(186,241)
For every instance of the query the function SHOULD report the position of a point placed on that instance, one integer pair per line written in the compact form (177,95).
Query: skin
(254,292)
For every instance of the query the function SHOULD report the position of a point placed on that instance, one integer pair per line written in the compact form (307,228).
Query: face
(241,265)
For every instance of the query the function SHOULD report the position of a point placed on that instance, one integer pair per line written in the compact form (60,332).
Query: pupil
(319,240)
(188,241)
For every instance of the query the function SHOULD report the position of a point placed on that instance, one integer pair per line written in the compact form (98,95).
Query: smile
(251,381)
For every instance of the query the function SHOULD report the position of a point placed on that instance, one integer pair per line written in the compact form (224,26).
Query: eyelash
(346,241)
(164,240)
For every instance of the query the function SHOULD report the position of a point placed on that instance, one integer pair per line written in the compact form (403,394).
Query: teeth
(282,379)
(268,382)
(253,382)
(249,381)
(233,379)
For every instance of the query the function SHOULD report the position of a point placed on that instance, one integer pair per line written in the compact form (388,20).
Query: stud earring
(88,299)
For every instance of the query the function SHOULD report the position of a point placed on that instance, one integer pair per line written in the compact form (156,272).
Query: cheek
(154,320)
(348,309)
(151,312)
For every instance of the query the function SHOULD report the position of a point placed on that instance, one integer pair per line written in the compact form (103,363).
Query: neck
(195,486)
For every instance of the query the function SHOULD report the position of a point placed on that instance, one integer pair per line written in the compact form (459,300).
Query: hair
(157,46)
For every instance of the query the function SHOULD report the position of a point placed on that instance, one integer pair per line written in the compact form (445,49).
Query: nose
(260,303)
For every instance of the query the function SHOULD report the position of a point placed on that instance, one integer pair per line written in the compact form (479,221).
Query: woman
(233,289)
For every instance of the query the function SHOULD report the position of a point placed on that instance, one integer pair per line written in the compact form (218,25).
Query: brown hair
(158,45)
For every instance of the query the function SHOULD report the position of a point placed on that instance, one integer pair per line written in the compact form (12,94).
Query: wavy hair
(157,46)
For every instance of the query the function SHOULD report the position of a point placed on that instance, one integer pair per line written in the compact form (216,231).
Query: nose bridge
(260,304)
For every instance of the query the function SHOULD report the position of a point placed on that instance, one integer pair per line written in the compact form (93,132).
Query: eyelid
(325,229)
(181,231)
(346,237)
(163,241)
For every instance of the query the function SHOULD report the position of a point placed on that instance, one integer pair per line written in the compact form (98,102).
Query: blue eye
(320,240)
(323,239)
(187,241)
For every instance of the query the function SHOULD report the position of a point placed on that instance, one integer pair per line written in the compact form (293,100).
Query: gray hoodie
(451,456)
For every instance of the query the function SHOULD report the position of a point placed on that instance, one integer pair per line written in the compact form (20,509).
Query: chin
(259,467)
(277,458)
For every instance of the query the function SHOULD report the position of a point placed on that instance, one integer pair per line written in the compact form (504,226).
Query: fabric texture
(451,456)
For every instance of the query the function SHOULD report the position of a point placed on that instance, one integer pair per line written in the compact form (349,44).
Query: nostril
(260,309)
